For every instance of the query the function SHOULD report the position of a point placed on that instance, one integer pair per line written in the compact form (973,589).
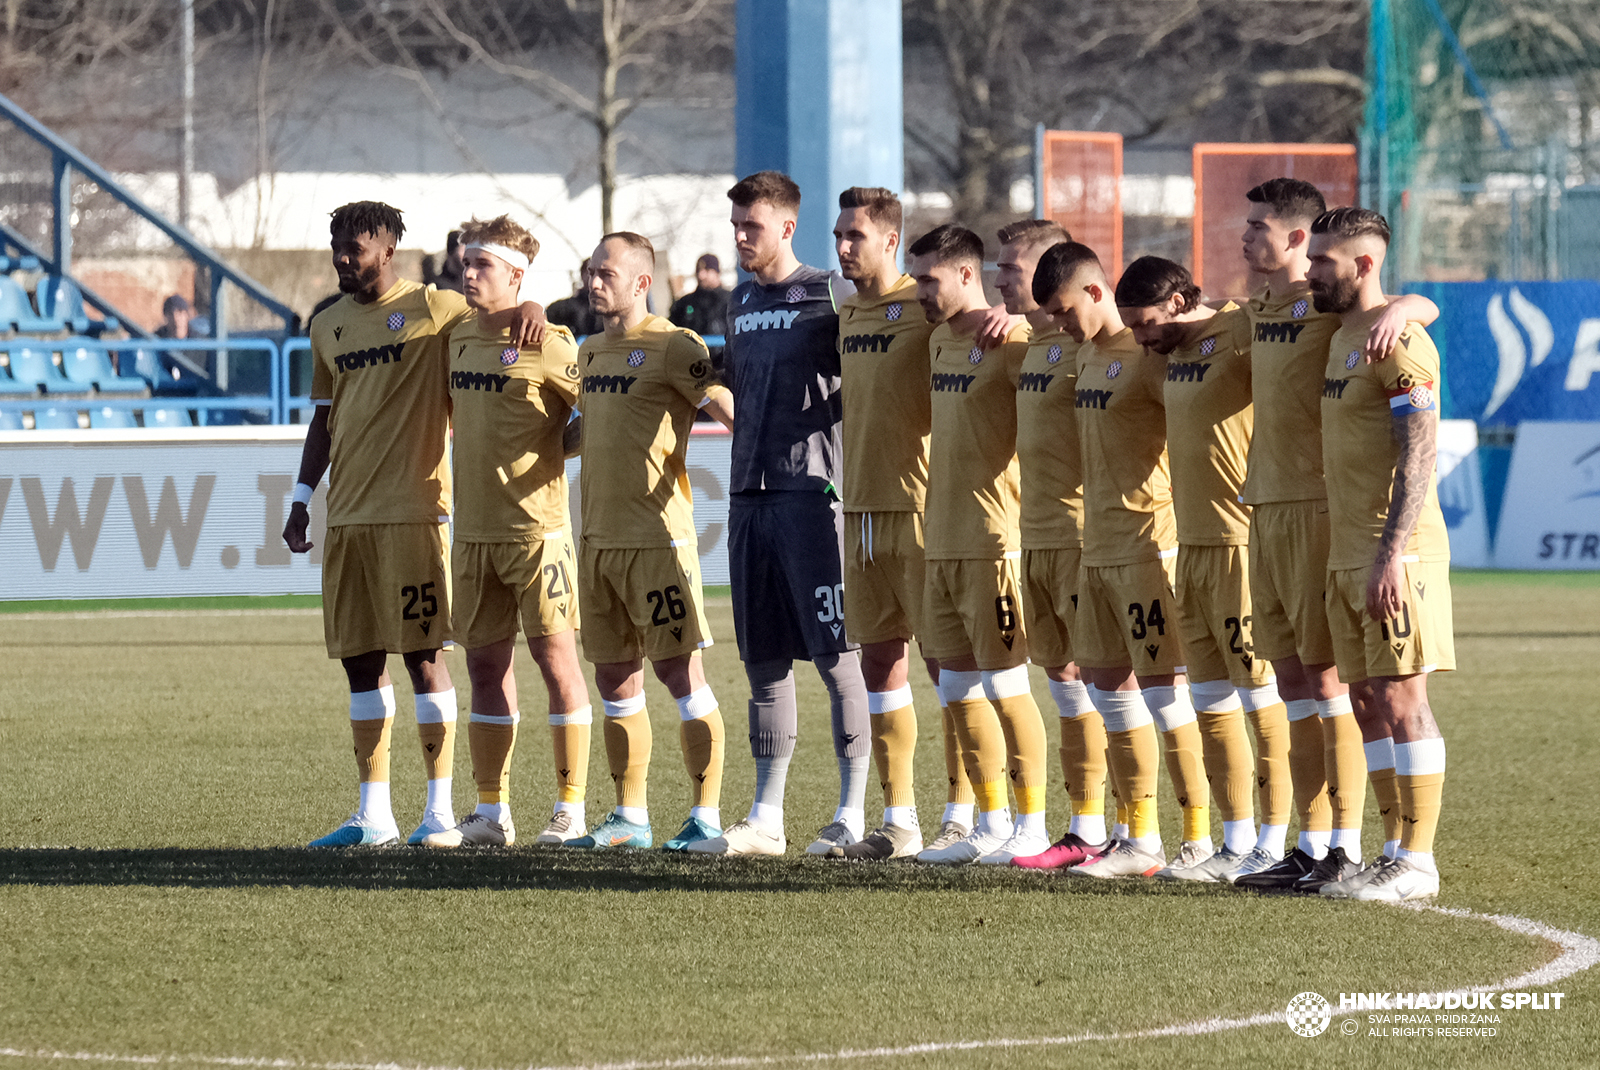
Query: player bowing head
(867,234)
(1021,245)
(1070,287)
(495,255)
(1160,302)
(766,208)
(947,263)
(621,271)
(1278,226)
(1347,249)
(364,235)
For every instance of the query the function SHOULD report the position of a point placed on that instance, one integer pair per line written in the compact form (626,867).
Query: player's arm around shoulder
(1400,311)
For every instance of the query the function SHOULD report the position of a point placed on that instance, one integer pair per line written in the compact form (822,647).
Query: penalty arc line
(1578,953)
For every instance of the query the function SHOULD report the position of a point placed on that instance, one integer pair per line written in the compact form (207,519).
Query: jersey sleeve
(321,376)
(1410,377)
(448,308)
(559,351)
(689,368)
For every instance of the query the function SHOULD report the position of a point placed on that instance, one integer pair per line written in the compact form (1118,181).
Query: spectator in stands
(179,322)
(448,276)
(574,312)
(705,310)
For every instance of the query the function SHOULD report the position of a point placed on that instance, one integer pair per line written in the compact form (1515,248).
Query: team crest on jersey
(636,358)
(397,320)
(1353,359)
(976,356)
(508,356)
(796,293)
(1053,356)
(1420,397)
(1300,308)
(1114,369)
(1208,346)
(892,313)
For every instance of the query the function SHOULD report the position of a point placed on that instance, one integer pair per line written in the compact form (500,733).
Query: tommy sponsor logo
(1092,399)
(951,383)
(479,381)
(1279,332)
(1334,388)
(776,320)
(1036,382)
(608,384)
(1192,372)
(866,343)
(367,358)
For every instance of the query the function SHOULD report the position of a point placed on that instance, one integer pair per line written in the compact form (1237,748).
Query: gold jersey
(1209,418)
(509,409)
(972,455)
(1122,432)
(883,354)
(1359,403)
(1289,346)
(1047,444)
(640,392)
(384,368)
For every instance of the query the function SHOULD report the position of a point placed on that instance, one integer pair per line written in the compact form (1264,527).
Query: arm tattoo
(1417,436)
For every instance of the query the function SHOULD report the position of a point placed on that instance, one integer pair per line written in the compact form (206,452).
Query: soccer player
(1125,639)
(512,554)
(785,527)
(378,364)
(639,569)
(972,604)
(1389,552)
(1209,419)
(1051,529)
(1329,762)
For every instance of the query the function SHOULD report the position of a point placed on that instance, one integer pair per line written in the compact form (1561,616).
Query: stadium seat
(55,420)
(108,417)
(164,379)
(16,311)
(33,365)
(10,387)
(90,365)
(61,300)
(10,421)
(167,418)
(9,264)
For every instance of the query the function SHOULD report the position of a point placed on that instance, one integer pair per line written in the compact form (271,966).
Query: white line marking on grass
(128,614)
(1578,953)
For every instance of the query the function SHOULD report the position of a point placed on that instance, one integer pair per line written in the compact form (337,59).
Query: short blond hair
(501,230)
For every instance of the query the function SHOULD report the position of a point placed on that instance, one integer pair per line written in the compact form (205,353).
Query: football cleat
(615,831)
(475,830)
(837,834)
(890,841)
(694,830)
(1331,868)
(950,832)
(1258,859)
(742,838)
(1021,845)
(1208,870)
(1280,876)
(1394,880)
(1123,860)
(357,833)
(1190,855)
(971,847)
(561,830)
(431,823)
(1069,850)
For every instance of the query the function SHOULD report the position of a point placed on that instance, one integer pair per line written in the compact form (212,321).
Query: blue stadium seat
(10,387)
(10,421)
(9,264)
(33,365)
(108,417)
(90,365)
(60,299)
(16,311)
(167,418)
(164,378)
(55,420)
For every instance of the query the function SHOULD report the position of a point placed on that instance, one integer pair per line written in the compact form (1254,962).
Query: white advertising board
(1461,494)
(1550,518)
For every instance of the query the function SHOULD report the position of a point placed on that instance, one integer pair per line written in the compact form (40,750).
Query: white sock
(854,818)
(1091,828)
(1032,824)
(1314,844)
(1239,836)
(499,813)
(903,817)
(440,805)
(960,813)
(1071,697)
(996,822)
(1149,844)
(639,815)
(1119,831)
(1423,859)
(374,806)
(1391,848)
(1350,840)
(711,815)
(1301,708)
(767,816)
(1272,839)
(1204,843)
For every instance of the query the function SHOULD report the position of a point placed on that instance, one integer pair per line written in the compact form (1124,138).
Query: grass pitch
(162,766)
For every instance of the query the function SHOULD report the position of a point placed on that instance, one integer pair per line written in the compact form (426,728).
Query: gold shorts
(1420,639)
(883,576)
(1213,591)
(641,603)
(497,581)
(975,608)
(1050,603)
(1288,574)
(1127,616)
(385,587)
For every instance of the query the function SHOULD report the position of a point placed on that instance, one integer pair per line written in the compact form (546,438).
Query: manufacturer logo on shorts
(508,356)
(976,356)
(892,313)
(796,293)
(1299,308)
(1053,356)
(1420,397)
(1353,359)
(1114,369)
(1308,1014)
(636,358)
(1208,346)
(397,320)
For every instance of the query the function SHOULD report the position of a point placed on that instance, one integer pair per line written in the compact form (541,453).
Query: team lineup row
(1195,517)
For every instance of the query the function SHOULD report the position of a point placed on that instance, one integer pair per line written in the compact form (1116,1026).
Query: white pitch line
(128,614)
(1578,953)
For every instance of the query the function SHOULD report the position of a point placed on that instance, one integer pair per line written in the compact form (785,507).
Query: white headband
(510,256)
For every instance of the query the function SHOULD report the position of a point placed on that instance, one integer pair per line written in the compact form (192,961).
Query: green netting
(1482,119)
